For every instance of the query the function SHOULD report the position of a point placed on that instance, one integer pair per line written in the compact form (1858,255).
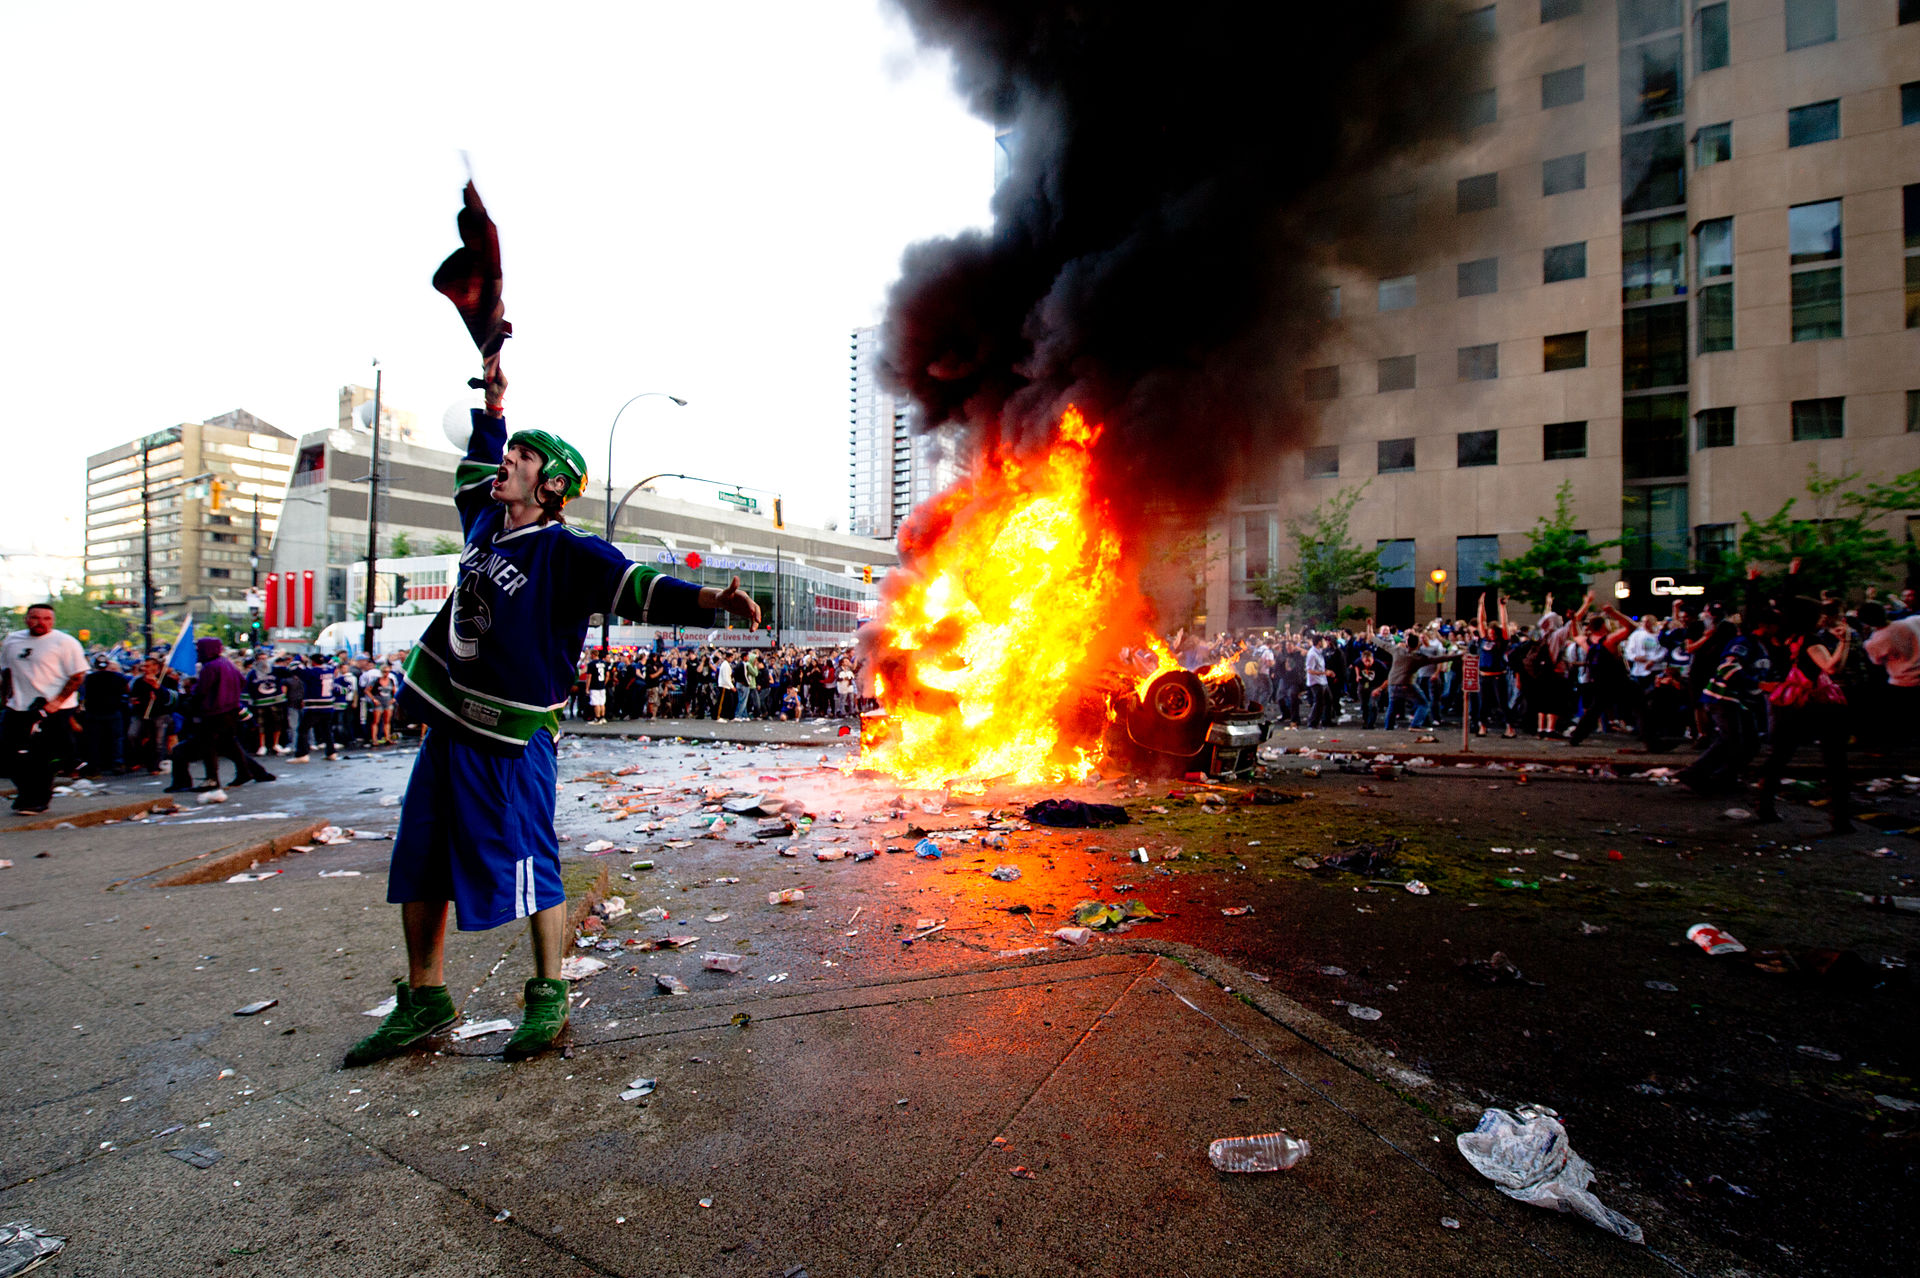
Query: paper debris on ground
(479,1029)
(578,967)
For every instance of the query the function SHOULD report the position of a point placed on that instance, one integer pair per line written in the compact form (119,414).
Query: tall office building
(890,469)
(207,546)
(1675,263)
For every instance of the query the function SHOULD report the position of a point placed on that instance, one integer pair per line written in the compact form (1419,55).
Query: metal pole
(779,592)
(146,551)
(373,518)
(606,619)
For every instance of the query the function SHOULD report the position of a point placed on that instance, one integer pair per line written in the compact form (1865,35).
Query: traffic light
(216,495)
(779,516)
(866,575)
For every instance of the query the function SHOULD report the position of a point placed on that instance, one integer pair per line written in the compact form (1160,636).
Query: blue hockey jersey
(498,661)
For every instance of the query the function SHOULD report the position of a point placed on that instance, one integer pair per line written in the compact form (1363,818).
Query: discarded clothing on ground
(1073,814)
(1368,858)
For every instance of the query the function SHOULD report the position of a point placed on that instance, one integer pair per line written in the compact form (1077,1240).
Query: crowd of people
(1783,671)
(713,682)
(114,711)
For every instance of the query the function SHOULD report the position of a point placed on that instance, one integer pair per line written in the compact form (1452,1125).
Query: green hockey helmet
(563,460)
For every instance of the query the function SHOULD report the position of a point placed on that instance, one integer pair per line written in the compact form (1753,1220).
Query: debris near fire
(1116,917)
(1072,814)
(1367,858)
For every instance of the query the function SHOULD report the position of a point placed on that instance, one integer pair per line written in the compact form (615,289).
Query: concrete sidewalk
(848,1128)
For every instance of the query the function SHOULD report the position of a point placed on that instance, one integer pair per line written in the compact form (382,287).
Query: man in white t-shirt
(40,674)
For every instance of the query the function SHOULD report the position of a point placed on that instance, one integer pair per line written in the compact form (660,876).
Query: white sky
(238,206)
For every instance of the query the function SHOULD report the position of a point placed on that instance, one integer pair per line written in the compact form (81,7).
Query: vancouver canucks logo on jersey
(471,619)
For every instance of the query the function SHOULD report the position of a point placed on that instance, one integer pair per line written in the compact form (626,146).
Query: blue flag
(184,658)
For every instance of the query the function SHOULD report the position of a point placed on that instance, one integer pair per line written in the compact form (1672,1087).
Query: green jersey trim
(475,712)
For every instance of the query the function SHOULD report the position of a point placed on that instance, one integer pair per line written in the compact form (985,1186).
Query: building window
(1813,238)
(1564,173)
(1479,363)
(1913,411)
(1909,11)
(1397,293)
(1641,18)
(1653,169)
(1564,262)
(1562,351)
(1653,523)
(1478,448)
(1650,86)
(1478,277)
(1396,455)
(1563,87)
(1910,101)
(1480,107)
(1396,213)
(1710,37)
(1554,10)
(1713,258)
(1713,428)
(1814,122)
(1712,144)
(1478,193)
(1653,258)
(1563,441)
(1323,462)
(1810,22)
(1910,221)
(1653,436)
(1478,24)
(1323,383)
(1396,373)
(1819,419)
(1654,346)
(222,573)
(1713,544)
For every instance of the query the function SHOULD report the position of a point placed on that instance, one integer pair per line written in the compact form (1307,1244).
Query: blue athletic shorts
(477,829)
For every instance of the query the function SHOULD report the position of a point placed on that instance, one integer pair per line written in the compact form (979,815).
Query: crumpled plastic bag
(1528,1158)
(22,1247)
(1073,814)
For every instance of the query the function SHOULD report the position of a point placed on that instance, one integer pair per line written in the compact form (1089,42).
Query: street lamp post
(373,518)
(605,620)
(1439,579)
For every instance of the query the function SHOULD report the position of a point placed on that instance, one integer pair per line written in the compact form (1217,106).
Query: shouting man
(40,671)
(489,678)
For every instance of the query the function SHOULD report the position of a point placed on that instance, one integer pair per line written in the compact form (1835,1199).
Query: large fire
(1015,597)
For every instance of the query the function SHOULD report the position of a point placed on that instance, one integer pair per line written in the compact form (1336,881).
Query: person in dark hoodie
(214,710)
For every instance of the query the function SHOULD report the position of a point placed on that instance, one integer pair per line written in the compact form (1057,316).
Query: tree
(445,545)
(74,612)
(1559,559)
(401,546)
(1327,563)
(1838,547)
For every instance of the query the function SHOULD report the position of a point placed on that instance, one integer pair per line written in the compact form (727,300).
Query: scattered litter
(1528,885)
(1370,859)
(213,796)
(927,850)
(639,1087)
(339,874)
(382,1008)
(1904,904)
(252,877)
(1004,873)
(1333,971)
(1448,1222)
(655,915)
(776,978)
(22,1247)
(1074,935)
(1235,911)
(5,864)
(1896,1103)
(1270,1151)
(718,918)
(1418,888)
(1665,987)
(1496,970)
(1737,814)
(1139,855)
(1360,1013)
(254,1009)
(717,962)
(389,800)
(671,984)
(1528,1158)
(1565,855)
(502,1214)
(786,896)
(611,909)
(831,854)
(578,967)
(1073,814)
(1592,929)
(201,1156)
(1024,1173)
(1107,917)
(1818,1053)
(1713,940)
(480,1029)
(598,845)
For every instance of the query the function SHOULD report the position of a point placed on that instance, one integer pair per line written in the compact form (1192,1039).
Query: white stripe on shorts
(519,889)
(531,905)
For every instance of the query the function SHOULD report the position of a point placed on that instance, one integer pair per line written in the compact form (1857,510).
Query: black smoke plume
(1183,175)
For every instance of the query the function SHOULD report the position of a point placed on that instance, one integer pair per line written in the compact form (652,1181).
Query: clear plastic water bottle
(1273,1151)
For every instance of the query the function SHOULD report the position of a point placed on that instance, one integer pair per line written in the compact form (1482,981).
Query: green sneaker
(546,1017)
(417,1014)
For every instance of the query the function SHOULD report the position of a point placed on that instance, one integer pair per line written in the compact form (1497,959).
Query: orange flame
(1011,602)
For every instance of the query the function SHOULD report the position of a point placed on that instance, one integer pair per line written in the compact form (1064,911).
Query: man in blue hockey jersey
(488,679)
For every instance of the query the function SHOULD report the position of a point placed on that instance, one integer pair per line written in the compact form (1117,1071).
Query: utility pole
(373,517)
(146,553)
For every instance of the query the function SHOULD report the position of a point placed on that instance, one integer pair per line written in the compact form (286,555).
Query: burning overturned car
(1014,646)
